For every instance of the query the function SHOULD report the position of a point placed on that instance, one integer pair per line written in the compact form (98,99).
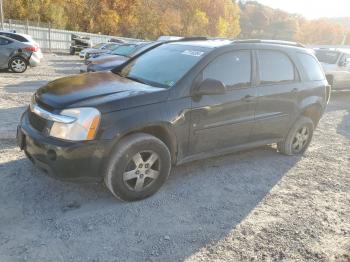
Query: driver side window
(232,68)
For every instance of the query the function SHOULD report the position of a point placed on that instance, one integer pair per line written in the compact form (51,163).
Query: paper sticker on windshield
(192,53)
(169,83)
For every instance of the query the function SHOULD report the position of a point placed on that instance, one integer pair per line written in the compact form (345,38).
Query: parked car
(99,51)
(117,56)
(176,103)
(79,43)
(336,64)
(15,55)
(26,39)
(93,48)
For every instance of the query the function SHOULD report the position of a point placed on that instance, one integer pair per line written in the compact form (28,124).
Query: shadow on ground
(25,86)
(200,204)
(10,118)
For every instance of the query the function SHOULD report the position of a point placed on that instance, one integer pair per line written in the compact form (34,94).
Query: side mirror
(210,87)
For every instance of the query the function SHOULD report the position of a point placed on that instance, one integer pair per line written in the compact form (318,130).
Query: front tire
(18,64)
(298,138)
(138,167)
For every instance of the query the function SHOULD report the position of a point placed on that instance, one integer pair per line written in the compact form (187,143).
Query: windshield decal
(192,53)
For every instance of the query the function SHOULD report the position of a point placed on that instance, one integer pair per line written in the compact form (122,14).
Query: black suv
(179,102)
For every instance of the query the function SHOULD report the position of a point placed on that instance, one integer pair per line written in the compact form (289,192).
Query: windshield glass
(163,66)
(329,57)
(98,45)
(110,46)
(124,50)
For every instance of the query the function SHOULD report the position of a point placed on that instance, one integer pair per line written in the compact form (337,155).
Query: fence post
(27,27)
(50,36)
(2,16)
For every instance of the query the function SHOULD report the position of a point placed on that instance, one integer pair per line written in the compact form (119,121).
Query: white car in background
(26,39)
(101,46)
(336,65)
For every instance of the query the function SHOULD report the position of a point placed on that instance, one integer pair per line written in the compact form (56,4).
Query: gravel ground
(256,205)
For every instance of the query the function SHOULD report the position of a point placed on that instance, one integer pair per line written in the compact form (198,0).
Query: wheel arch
(314,112)
(160,131)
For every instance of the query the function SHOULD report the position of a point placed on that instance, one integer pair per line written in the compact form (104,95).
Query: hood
(98,51)
(86,50)
(108,58)
(103,90)
(109,65)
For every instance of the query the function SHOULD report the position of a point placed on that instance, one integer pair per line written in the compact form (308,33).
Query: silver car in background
(26,39)
(336,64)
(15,55)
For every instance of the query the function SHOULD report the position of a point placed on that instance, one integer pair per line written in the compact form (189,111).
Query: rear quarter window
(15,37)
(311,66)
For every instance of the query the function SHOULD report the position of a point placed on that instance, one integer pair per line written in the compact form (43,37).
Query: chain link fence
(51,39)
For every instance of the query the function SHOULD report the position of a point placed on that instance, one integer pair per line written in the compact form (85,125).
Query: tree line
(149,19)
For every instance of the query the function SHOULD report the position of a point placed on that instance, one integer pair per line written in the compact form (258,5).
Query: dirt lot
(256,205)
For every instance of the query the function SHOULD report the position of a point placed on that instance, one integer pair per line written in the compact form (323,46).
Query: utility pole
(2,16)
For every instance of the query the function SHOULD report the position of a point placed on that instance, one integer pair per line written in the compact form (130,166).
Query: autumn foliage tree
(134,18)
(149,19)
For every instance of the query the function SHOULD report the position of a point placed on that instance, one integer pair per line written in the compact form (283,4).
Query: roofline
(265,41)
(242,41)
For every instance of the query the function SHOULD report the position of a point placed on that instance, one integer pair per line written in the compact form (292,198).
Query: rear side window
(275,67)
(233,69)
(16,37)
(311,67)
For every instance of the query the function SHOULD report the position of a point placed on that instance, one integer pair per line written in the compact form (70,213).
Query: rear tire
(18,64)
(298,138)
(138,167)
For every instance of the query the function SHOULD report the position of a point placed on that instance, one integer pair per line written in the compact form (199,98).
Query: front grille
(37,122)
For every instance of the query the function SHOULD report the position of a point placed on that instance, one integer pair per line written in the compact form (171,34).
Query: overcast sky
(312,8)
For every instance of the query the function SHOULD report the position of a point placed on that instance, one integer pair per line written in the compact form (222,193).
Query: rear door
(278,85)
(225,120)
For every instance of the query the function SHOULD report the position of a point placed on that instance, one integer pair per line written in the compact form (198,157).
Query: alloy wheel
(18,65)
(142,171)
(300,139)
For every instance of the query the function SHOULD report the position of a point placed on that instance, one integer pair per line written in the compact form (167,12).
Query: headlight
(83,128)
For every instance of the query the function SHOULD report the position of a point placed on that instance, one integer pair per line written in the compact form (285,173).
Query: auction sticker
(192,53)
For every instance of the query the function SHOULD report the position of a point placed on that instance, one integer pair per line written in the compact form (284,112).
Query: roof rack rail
(194,38)
(261,41)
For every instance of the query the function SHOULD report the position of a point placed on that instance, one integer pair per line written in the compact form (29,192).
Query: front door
(222,121)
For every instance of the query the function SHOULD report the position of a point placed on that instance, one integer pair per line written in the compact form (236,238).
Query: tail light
(31,48)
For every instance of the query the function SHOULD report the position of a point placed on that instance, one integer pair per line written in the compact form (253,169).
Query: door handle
(294,90)
(248,98)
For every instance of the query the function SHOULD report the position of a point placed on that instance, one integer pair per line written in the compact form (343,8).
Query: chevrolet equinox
(182,101)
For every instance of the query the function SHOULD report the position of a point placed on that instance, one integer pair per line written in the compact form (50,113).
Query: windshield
(163,66)
(328,57)
(98,46)
(124,50)
(110,46)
